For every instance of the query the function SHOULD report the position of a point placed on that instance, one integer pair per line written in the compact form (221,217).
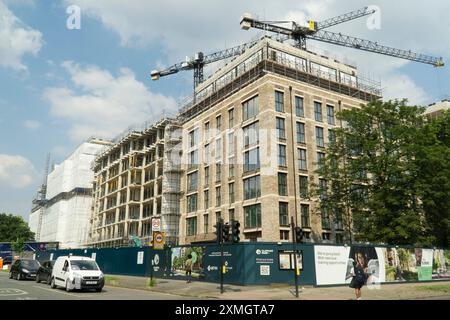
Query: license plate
(33,275)
(91,282)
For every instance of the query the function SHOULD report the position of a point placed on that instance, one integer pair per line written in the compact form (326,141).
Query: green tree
(433,161)
(13,228)
(371,172)
(18,246)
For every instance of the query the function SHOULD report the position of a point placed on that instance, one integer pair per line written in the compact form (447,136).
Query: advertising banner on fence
(335,265)
(179,257)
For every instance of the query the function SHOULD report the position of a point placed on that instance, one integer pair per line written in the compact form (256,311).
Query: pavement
(205,290)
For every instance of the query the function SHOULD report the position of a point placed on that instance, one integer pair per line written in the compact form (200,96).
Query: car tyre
(67,286)
(19,276)
(10,275)
(49,280)
(37,278)
(99,289)
(52,283)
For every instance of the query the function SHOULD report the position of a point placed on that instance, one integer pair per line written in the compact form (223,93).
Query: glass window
(218,124)
(281,130)
(192,203)
(218,197)
(282,184)
(207,154)
(207,132)
(284,215)
(193,138)
(218,172)
(231,143)
(303,186)
(302,164)
(282,155)
(325,219)
(319,137)
(250,108)
(301,132)
(251,160)
(219,148)
(322,189)
(318,111)
(231,168)
(207,176)
(231,192)
(299,109)
(304,213)
(252,216)
(206,199)
(252,188)
(320,160)
(192,181)
(205,223)
(331,136)
(251,134)
(231,118)
(330,115)
(191,226)
(193,159)
(279,101)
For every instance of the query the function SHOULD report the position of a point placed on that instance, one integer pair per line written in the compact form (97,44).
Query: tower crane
(200,60)
(313,30)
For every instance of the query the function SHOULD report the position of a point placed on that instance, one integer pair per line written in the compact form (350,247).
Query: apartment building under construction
(254,138)
(136,180)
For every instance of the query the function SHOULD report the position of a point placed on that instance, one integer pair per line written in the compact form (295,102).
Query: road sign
(158,240)
(156,224)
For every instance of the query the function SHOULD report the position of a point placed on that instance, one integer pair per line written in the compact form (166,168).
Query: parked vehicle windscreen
(31,264)
(83,265)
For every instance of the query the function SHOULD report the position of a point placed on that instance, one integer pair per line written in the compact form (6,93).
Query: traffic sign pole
(295,257)
(221,262)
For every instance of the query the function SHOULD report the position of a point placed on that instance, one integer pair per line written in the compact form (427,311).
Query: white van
(71,272)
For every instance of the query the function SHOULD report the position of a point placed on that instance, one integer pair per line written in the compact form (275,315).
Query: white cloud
(102,104)
(31,124)
(179,28)
(16,40)
(16,171)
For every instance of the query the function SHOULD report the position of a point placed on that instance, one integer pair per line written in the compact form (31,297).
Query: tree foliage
(387,175)
(13,228)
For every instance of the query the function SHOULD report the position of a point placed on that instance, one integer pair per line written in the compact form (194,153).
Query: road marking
(5,292)
(58,291)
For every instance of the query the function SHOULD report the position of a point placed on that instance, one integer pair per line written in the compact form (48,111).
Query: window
(219,148)
(330,115)
(302,164)
(207,176)
(250,108)
(252,216)
(231,168)
(207,131)
(319,137)
(231,118)
(322,189)
(207,154)
(282,155)
(301,132)
(218,197)
(279,101)
(299,109)
(282,184)
(205,223)
(193,159)
(191,226)
(219,124)
(303,183)
(284,235)
(331,137)
(193,138)
(192,181)
(218,172)
(304,214)
(218,216)
(318,111)
(206,199)
(325,219)
(231,192)
(320,160)
(192,203)
(339,238)
(231,143)
(231,214)
(251,160)
(284,216)
(252,188)
(251,134)
(281,130)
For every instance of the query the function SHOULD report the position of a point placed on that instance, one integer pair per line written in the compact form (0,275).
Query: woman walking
(188,267)
(359,275)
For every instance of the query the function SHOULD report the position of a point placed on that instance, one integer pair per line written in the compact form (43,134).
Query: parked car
(45,272)
(23,269)
(77,273)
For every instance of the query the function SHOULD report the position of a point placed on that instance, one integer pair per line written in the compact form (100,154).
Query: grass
(111,280)
(436,288)
(152,282)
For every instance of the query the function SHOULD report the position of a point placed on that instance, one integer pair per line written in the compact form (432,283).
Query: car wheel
(37,278)
(49,280)
(10,275)
(52,283)
(68,286)
(99,289)
(18,277)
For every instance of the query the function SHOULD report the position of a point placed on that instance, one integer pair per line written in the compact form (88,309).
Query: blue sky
(60,86)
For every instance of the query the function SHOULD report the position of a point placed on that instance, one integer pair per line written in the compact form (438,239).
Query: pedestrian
(188,268)
(359,275)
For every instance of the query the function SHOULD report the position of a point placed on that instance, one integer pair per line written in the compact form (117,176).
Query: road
(11,289)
